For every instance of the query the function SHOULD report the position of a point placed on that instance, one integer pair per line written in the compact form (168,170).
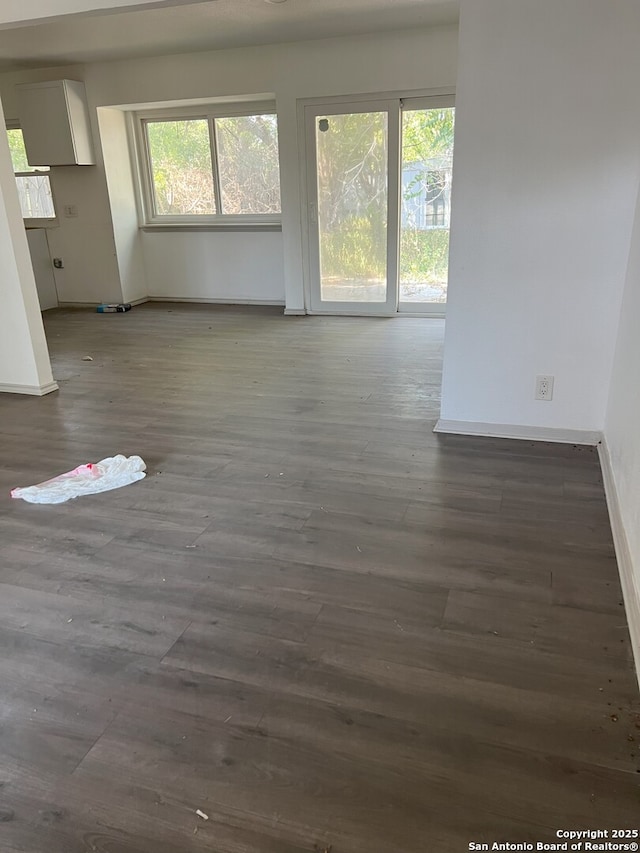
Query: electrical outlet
(544,388)
(70,210)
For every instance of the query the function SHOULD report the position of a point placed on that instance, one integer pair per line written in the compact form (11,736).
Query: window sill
(151,228)
(40,223)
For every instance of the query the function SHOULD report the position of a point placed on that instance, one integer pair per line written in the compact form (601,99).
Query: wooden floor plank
(316,620)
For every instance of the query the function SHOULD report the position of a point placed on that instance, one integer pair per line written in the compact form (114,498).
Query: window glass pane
(181,167)
(427,165)
(248,164)
(35,196)
(353,201)
(19,153)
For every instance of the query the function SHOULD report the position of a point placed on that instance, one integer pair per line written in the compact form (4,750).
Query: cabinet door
(55,123)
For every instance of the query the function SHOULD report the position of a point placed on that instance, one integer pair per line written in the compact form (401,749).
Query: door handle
(313,213)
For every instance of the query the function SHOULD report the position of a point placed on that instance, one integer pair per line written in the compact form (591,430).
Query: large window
(211,168)
(34,186)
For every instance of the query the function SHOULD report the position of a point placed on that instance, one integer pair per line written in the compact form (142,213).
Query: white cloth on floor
(110,473)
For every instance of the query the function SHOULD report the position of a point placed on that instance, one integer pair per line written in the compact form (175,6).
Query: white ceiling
(210,25)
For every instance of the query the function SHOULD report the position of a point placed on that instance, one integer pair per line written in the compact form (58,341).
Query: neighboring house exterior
(426,194)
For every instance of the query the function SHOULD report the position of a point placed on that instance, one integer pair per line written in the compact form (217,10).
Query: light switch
(70,210)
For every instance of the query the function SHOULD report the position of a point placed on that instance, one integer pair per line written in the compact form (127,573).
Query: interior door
(353,192)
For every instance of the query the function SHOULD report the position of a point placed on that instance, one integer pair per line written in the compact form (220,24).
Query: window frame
(149,219)
(35,221)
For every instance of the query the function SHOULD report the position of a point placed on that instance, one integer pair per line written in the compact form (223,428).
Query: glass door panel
(353,190)
(353,248)
(425,194)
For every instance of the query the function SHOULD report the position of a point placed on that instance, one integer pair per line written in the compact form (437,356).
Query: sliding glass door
(379,203)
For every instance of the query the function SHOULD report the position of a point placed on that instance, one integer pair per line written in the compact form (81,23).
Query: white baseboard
(78,304)
(628,581)
(198,299)
(95,304)
(278,303)
(294,312)
(34,390)
(527,433)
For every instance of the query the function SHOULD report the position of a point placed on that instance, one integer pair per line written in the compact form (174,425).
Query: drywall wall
(546,172)
(24,358)
(404,61)
(621,453)
(202,265)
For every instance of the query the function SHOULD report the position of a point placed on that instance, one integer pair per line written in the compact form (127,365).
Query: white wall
(546,172)
(622,438)
(392,62)
(235,266)
(24,358)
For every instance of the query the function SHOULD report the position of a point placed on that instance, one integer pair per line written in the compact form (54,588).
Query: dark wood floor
(315,620)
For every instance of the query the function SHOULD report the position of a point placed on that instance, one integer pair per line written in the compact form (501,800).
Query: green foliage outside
(427,134)
(424,255)
(182,171)
(181,167)
(352,252)
(249,165)
(18,151)
(351,157)
(352,201)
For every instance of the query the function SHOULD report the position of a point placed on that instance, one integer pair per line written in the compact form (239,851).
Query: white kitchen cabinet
(54,118)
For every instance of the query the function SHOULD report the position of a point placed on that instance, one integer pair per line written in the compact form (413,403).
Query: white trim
(294,312)
(78,304)
(436,96)
(199,103)
(630,589)
(194,299)
(34,390)
(132,302)
(225,222)
(397,316)
(210,109)
(222,301)
(145,185)
(528,433)
(429,102)
(423,309)
(352,312)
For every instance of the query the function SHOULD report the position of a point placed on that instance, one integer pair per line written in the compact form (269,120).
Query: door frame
(437,97)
